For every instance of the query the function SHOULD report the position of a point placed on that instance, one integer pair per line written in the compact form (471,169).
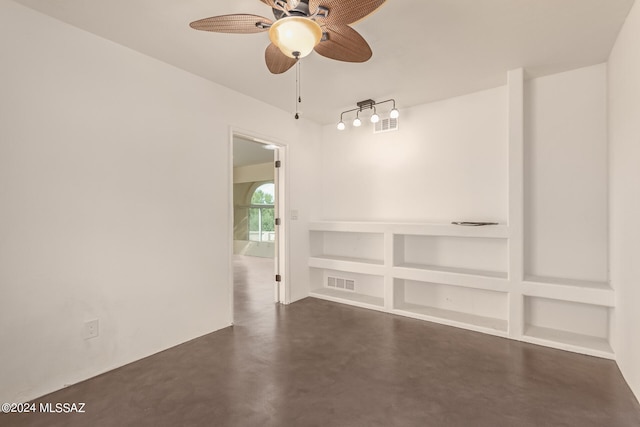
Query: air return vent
(331,282)
(341,283)
(386,125)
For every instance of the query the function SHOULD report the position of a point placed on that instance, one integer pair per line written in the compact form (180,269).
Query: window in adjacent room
(261,214)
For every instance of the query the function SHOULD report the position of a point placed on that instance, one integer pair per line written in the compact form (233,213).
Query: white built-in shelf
(493,281)
(487,231)
(446,273)
(456,270)
(356,265)
(353,265)
(453,318)
(347,226)
(570,341)
(587,292)
(348,259)
(568,282)
(351,298)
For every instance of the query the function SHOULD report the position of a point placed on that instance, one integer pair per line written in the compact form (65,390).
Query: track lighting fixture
(368,104)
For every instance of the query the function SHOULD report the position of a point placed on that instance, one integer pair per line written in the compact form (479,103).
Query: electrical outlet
(90,329)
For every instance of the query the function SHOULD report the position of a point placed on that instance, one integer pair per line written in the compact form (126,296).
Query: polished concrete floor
(316,363)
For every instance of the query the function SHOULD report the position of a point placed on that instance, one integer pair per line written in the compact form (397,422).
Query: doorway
(257,228)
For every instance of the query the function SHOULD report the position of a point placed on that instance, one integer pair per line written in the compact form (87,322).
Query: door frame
(282,291)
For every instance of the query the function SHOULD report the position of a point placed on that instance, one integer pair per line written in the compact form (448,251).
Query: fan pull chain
(299,82)
(298,95)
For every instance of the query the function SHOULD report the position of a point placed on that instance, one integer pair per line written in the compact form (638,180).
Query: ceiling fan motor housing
(302,8)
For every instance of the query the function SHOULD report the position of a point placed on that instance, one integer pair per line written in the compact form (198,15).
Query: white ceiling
(246,152)
(423,50)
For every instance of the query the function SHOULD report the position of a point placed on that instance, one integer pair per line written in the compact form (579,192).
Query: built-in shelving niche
(584,328)
(348,246)
(458,276)
(478,256)
(368,289)
(475,309)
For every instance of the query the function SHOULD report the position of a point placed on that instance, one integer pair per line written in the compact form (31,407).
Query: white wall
(448,161)
(624,146)
(566,172)
(114,202)
(253,173)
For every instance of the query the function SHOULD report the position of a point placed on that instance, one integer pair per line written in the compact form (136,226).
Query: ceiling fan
(301,26)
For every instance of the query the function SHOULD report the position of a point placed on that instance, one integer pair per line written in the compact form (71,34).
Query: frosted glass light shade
(357,122)
(375,118)
(295,34)
(394,114)
(341,125)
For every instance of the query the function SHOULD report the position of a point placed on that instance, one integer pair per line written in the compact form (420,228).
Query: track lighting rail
(368,104)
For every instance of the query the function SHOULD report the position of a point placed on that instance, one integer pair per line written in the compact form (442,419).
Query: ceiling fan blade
(239,24)
(345,11)
(277,62)
(344,44)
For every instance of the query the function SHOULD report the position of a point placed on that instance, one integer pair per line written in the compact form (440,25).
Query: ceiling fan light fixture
(300,27)
(295,34)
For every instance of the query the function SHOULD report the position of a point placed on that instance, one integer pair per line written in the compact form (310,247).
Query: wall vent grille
(386,125)
(350,285)
(341,283)
(331,282)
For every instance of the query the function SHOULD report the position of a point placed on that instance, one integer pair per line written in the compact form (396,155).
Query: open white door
(281,291)
(245,152)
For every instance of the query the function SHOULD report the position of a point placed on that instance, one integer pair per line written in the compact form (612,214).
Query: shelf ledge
(352,265)
(420,229)
(455,270)
(454,318)
(348,259)
(452,278)
(557,281)
(595,293)
(351,298)
(570,341)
